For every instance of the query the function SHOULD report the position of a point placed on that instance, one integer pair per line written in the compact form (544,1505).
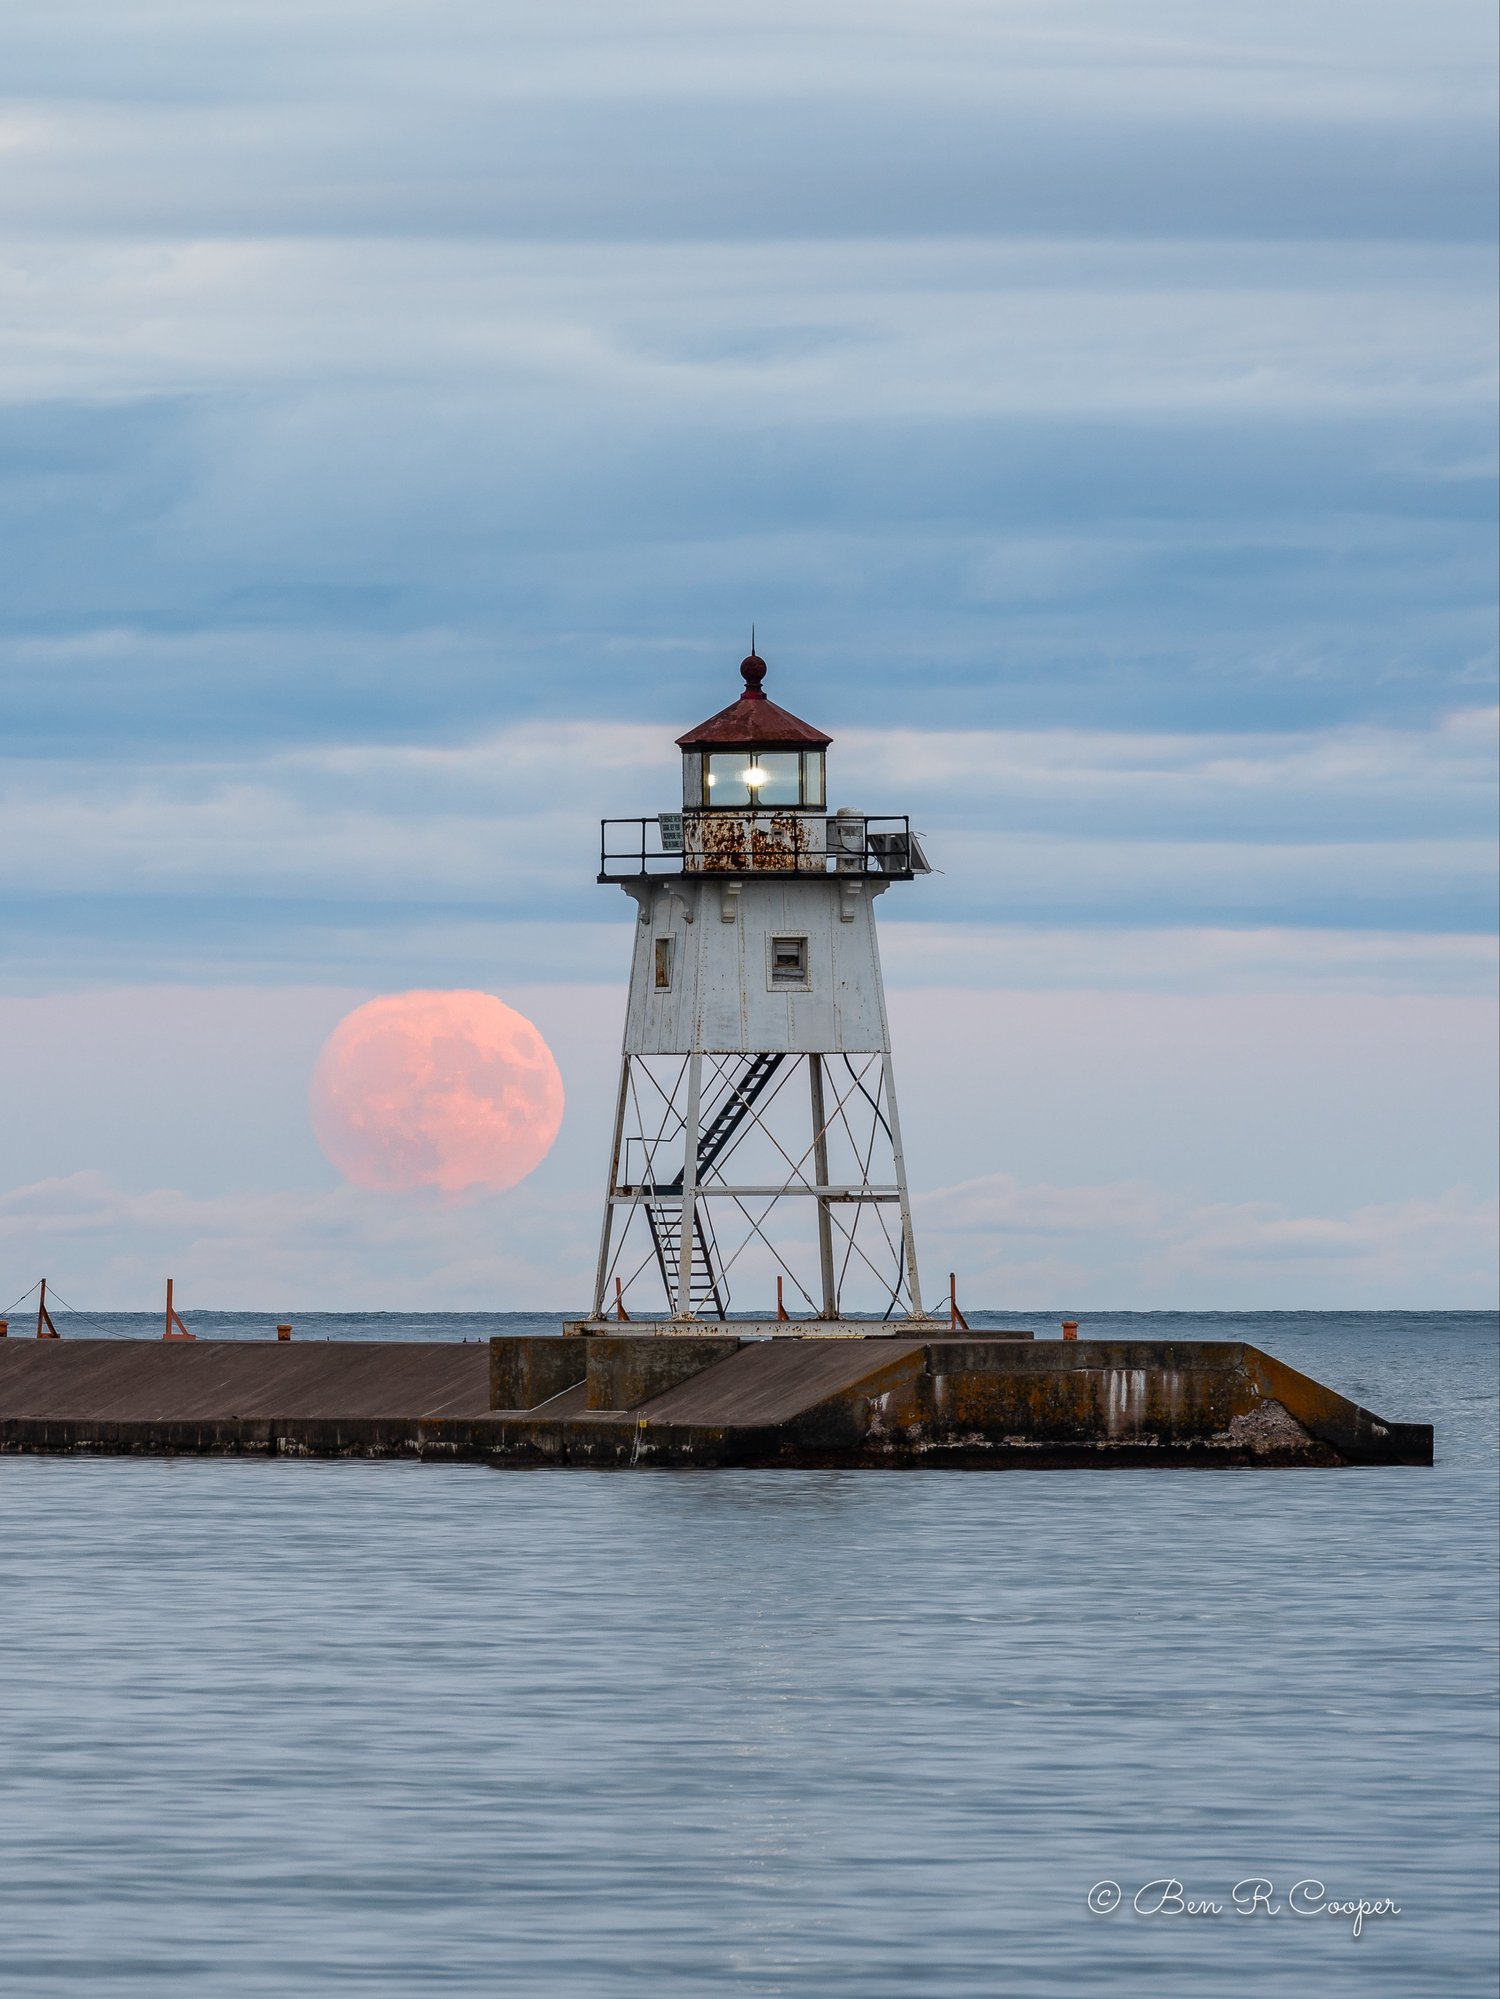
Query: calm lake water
(282,1728)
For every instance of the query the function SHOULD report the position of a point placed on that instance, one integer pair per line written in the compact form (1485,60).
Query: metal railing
(759,840)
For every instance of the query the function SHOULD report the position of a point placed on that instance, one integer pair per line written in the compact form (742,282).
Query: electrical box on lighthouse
(756,1163)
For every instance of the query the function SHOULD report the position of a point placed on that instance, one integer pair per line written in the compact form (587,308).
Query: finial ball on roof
(754,721)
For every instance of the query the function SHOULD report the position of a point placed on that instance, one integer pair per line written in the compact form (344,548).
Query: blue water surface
(294,1727)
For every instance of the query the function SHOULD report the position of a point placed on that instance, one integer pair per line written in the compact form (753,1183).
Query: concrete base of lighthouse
(897,1396)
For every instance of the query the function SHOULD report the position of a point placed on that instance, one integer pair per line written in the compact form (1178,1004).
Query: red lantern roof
(753,722)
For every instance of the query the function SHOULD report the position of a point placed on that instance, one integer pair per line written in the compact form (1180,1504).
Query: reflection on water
(271,1728)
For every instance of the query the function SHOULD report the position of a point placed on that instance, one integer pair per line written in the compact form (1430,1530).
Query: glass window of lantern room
(764,777)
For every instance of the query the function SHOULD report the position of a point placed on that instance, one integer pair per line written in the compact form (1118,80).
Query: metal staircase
(707,1288)
(731,1114)
(708,1295)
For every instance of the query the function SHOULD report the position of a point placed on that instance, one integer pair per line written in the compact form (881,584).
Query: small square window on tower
(664,964)
(789,961)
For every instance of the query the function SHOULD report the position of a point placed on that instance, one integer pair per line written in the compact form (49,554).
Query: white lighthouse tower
(756,1155)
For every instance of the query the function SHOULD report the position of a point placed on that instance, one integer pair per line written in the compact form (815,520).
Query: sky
(406,409)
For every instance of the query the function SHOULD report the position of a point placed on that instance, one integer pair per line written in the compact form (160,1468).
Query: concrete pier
(974,1401)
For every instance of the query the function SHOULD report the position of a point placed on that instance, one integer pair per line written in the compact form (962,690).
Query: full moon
(450,1090)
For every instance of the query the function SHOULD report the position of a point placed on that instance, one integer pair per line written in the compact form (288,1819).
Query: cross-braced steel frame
(715,1161)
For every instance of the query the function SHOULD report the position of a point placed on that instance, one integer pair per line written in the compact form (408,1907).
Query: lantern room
(753,755)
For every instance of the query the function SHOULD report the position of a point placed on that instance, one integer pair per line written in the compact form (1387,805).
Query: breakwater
(631,1400)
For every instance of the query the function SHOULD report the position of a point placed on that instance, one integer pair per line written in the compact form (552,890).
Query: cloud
(726,335)
(1123,1245)
(294,490)
(1128,1146)
(1128,1240)
(1186,959)
(401,368)
(1353,829)
(339,1250)
(465,119)
(1354,768)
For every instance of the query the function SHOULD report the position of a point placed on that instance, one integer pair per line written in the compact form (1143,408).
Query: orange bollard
(620,1311)
(782,1314)
(176,1330)
(283,1332)
(45,1330)
(955,1317)
(4,1329)
(1070,1329)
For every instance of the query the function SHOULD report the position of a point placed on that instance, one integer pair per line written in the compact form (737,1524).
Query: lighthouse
(756,1164)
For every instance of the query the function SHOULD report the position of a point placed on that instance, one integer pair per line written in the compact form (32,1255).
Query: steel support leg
(820,1168)
(601,1274)
(908,1235)
(689,1187)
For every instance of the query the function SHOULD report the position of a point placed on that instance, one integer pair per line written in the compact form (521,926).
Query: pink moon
(456,1091)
